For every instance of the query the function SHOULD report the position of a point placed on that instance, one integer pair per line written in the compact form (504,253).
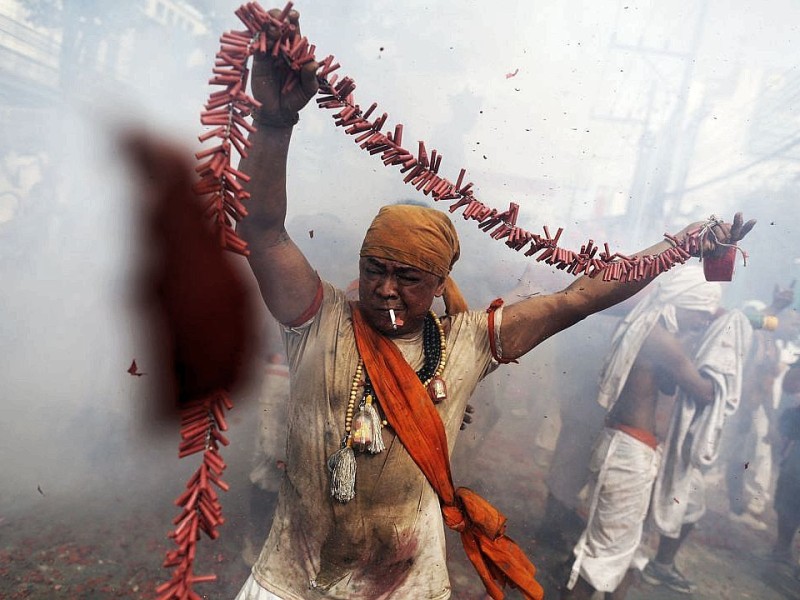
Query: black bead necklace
(432,342)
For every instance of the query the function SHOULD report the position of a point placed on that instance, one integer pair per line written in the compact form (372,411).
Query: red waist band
(642,435)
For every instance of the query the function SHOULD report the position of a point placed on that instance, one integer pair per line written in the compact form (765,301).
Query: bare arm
(287,281)
(664,350)
(529,322)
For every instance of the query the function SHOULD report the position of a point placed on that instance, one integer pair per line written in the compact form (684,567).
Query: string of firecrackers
(227,111)
(219,187)
(223,196)
(202,424)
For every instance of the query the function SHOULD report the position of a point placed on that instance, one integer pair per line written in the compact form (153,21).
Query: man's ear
(439,288)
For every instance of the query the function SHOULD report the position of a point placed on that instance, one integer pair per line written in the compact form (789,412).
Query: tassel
(377,446)
(342,465)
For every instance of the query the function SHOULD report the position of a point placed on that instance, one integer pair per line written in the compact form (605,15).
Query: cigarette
(396,322)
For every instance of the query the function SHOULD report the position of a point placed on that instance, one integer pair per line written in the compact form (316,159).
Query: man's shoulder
(660,342)
(333,306)
(469,318)
(659,334)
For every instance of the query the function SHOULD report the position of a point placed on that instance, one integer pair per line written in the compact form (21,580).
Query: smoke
(616,121)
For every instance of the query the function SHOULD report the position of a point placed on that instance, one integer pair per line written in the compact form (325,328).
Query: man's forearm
(266,166)
(603,294)
(287,282)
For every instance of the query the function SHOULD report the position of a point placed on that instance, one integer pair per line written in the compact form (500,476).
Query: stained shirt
(388,541)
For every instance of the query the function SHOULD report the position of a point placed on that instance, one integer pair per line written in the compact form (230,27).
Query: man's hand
(738,230)
(280,107)
(782,298)
(720,234)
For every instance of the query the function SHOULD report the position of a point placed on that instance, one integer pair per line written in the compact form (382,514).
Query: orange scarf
(410,412)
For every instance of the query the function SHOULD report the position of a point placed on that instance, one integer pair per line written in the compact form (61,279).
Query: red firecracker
(202,422)
(227,109)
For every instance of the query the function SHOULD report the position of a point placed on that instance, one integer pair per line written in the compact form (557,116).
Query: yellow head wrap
(421,237)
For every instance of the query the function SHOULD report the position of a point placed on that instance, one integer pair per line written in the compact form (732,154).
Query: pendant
(361,430)
(437,390)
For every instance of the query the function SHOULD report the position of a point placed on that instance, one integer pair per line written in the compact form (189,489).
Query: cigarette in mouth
(395,321)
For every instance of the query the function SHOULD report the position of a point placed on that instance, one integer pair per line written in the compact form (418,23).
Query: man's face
(387,284)
(693,322)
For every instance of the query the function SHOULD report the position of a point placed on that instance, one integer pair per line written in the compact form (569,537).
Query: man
(749,438)
(692,444)
(360,525)
(649,356)
(787,491)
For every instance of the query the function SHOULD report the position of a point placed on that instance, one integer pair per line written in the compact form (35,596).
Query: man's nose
(388,287)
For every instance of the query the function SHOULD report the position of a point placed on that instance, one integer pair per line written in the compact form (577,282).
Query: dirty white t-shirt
(388,541)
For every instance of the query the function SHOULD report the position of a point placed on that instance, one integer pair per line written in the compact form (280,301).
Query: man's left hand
(723,234)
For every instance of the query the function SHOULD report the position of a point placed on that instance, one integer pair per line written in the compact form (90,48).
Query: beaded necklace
(363,427)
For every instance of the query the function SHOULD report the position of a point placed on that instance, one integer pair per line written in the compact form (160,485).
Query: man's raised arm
(287,281)
(529,322)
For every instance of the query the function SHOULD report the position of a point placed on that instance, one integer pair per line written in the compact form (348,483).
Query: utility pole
(664,148)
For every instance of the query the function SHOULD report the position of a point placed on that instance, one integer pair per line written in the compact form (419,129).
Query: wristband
(280,120)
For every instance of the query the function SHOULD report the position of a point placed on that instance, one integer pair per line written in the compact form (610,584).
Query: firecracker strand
(220,187)
(202,424)
(227,111)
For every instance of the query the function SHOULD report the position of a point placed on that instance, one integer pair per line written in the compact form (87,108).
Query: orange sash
(410,412)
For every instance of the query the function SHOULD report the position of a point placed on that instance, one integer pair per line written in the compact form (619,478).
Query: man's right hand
(269,75)
(782,298)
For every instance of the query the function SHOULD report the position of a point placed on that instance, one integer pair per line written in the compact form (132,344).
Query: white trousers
(252,591)
(623,470)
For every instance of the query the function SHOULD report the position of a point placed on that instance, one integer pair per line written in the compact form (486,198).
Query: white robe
(684,287)
(693,440)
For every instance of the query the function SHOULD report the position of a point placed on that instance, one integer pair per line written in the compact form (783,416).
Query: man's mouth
(396,321)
